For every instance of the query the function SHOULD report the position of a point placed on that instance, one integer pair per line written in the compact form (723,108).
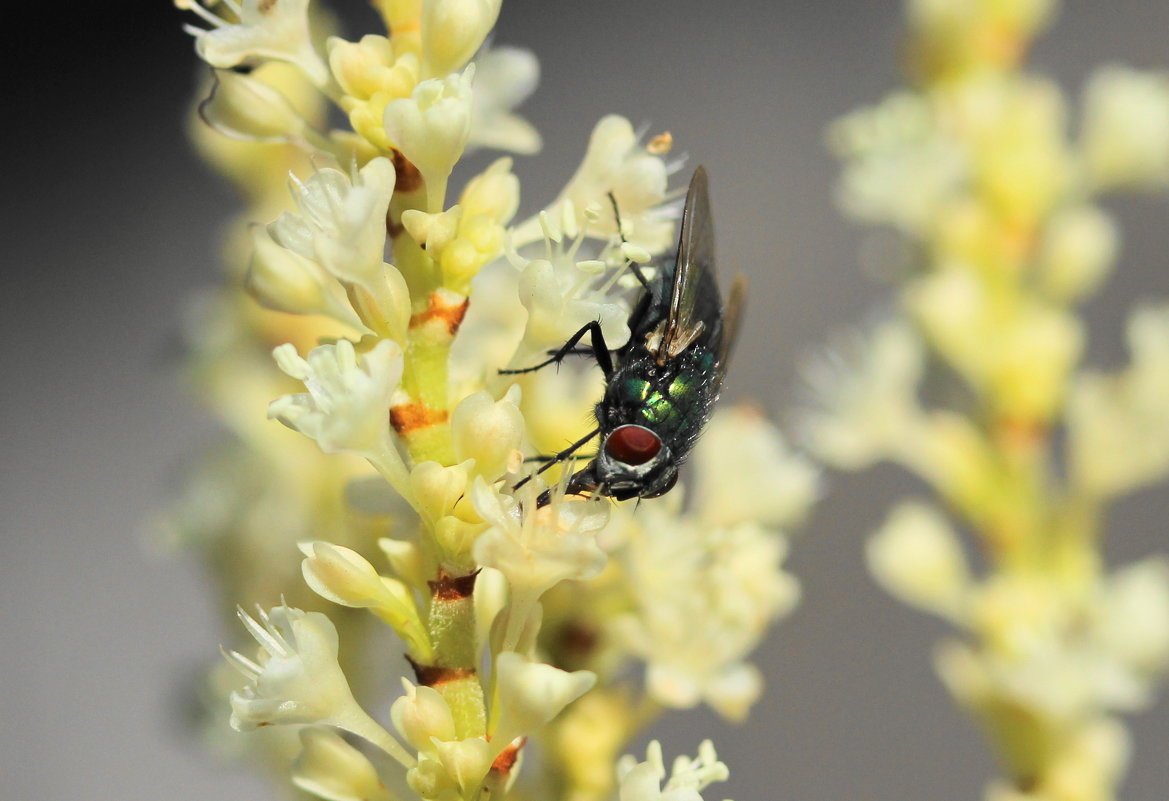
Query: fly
(661,386)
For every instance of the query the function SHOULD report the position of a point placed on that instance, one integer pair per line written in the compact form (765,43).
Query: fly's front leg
(600,351)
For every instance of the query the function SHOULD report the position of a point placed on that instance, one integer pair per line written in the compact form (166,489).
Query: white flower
(918,558)
(1077,251)
(538,548)
(531,694)
(1118,431)
(431,128)
(899,166)
(504,78)
(342,226)
(746,471)
(346,408)
(422,715)
(1126,127)
(490,432)
(332,769)
(563,292)
(703,598)
(452,31)
(343,576)
(276,29)
(243,107)
(866,395)
(616,163)
(282,279)
(298,679)
(641,781)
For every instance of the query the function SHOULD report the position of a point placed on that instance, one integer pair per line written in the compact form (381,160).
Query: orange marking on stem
(407,418)
(451,314)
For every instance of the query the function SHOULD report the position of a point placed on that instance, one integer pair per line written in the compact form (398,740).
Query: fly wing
(732,318)
(694,264)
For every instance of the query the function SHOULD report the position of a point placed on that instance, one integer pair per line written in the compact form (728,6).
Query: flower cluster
(1000,210)
(390,290)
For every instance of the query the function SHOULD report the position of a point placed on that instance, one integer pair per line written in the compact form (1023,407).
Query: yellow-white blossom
(242,107)
(298,680)
(746,471)
(343,576)
(563,292)
(537,548)
(452,31)
(1077,252)
(504,78)
(900,166)
(642,781)
(348,399)
(284,280)
(917,557)
(1118,432)
(702,599)
(1125,136)
(866,396)
(431,128)
(616,163)
(330,768)
(490,432)
(342,226)
(264,29)
(531,694)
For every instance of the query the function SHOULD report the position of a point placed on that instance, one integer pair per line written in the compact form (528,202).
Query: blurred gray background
(110,224)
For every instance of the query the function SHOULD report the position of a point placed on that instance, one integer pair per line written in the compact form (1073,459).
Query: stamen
(214,20)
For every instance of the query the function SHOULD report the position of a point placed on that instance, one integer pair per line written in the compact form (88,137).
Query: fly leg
(559,457)
(600,351)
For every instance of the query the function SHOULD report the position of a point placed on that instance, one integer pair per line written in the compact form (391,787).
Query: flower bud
(1077,252)
(452,30)
(422,715)
(488,431)
(917,558)
(245,108)
(281,279)
(495,192)
(331,768)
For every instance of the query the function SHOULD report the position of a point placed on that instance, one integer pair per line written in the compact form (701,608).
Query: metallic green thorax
(672,400)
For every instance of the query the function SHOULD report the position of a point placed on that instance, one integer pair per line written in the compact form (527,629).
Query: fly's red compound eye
(633,444)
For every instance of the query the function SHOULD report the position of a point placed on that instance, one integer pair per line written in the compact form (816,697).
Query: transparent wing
(732,318)
(695,267)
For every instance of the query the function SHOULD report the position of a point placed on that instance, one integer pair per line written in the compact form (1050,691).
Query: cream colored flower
(452,32)
(504,78)
(531,694)
(346,408)
(1125,137)
(490,432)
(242,107)
(343,576)
(276,29)
(702,599)
(431,128)
(1118,431)
(538,548)
(900,166)
(342,226)
(1077,252)
(746,472)
(330,768)
(867,398)
(298,680)
(616,163)
(421,716)
(918,558)
(563,292)
(642,781)
(284,280)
